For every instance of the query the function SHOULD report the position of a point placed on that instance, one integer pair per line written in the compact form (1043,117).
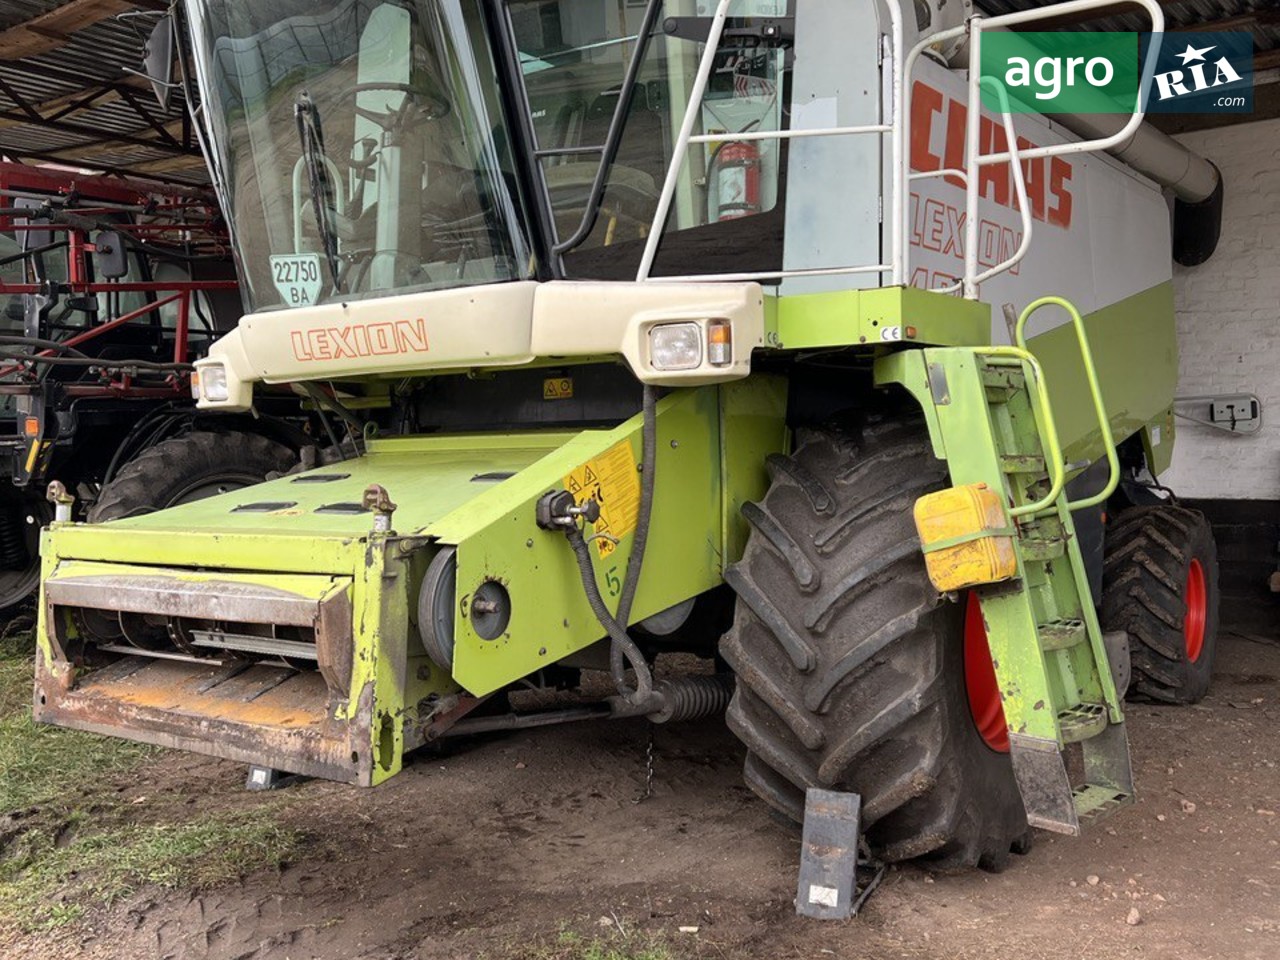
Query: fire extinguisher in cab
(737,180)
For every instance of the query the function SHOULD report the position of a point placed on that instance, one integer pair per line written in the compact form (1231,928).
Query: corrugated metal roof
(70,97)
(1259,17)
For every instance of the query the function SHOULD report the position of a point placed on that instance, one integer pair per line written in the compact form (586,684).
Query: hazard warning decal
(612,481)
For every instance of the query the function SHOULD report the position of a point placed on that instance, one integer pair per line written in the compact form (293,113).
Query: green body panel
(1135,351)
(887,316)
(692,525)
(751,429)
(473,492)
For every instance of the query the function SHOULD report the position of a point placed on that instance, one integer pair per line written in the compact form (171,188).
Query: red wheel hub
(980,680)
(1197,604)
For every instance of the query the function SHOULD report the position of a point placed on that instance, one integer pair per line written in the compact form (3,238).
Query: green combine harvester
(731,328)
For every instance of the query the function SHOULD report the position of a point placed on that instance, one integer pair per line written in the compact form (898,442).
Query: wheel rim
(980,680)
(212,487)
(1197,604)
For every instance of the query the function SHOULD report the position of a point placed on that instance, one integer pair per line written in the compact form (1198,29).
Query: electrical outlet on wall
(1238,413)
(1234,411)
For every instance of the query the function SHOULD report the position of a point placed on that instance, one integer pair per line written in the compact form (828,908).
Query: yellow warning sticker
(612,481)
(557,388)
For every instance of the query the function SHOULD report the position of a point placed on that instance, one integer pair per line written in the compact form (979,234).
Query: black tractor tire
(23,512)
(1160,586)
(188,468)
(850,666)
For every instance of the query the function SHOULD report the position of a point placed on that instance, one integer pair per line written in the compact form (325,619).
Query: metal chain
(648,768)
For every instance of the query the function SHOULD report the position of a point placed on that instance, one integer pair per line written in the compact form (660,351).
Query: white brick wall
(1229,321)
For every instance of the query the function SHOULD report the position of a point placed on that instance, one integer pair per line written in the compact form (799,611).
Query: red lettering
(953,156)
(1059,176)
(360,340)
(993,179)
(925,102)
(1045,178)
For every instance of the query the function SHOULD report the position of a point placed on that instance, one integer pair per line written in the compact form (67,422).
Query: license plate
(297,277)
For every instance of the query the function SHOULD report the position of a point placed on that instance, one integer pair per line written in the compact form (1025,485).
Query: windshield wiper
(311,136)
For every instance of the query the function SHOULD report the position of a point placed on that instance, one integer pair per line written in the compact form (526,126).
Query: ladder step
(1035,548)
(1094,801)
(1052,801)
(1061,634)
(1002,381)
(1022,463)
(1082,722)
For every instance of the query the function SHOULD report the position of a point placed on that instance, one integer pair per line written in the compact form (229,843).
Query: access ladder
(989,411)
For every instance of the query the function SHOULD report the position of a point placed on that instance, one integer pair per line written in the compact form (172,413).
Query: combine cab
(687,327)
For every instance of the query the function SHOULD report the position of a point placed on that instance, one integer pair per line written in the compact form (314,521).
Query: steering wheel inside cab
(418,105)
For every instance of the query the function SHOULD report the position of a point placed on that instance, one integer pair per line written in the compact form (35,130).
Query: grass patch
(38,763)
(68,842)
(570,945)
(53,877)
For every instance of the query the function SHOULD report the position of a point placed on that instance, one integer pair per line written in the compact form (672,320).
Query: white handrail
(298,203)
(973,144)
(895,267)
(1019,183)
(681,150)
(898,128)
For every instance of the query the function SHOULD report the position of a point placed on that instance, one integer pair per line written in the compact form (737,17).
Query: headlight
(210,381)
(675,346)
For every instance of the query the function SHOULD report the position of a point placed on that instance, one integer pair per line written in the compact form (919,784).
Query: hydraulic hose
(87,224)
(648,474)
(38,343)
(624,649)
(96,363)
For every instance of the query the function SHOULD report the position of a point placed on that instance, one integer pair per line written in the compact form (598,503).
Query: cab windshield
(359,146)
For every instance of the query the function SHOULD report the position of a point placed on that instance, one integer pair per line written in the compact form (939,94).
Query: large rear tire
(850,666)
(1161,588)
(188,468)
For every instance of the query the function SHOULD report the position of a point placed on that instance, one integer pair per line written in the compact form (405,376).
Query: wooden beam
(131,172)
(171,165)
(1087,16)
(48,31)
(1242,23)
(47,108)
(172,129)
(1266,60)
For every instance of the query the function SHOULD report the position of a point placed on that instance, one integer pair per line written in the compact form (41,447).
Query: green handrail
(1022,356)
(1095,393)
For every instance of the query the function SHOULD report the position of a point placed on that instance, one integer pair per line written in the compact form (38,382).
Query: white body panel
(1100,233)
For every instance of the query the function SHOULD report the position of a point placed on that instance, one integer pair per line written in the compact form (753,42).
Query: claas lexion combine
(732,328)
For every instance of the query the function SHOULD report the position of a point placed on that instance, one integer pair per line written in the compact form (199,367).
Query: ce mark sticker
(890,334)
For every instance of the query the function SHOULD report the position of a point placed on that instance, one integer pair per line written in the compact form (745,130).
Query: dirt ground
(514,846)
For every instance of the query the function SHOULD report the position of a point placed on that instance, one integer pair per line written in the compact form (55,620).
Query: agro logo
(1194,78)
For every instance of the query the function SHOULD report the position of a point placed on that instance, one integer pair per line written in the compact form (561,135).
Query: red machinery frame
(164,216)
